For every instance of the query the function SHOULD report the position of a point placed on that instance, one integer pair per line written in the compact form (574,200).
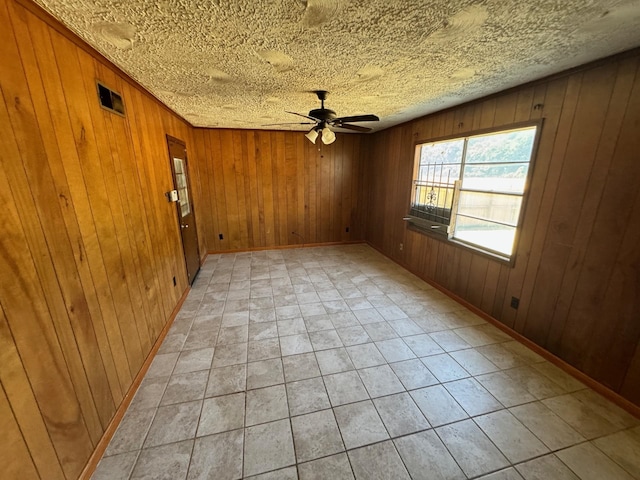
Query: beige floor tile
(263,349)
(380,381)
(268,447)
(300,367)
(473,362)
(472,396)
(566,381)
(501,357)
(262,331)
(325,340)
(437,405)
(449,341)
(131,432)
(316,435)
(266,405)
(400,414)
(528,355)
(227,380)
(230,335)
(579,415)
(545,468)
(589,463)
(230,355)
(413,374)
(334,467)
(165,462)
(534,382)
(289,473)
(174,423)
(395,350)
(295,344)
(217,456)
(423,345)
(426,457)
(507,391)
(623,448)
(546,425)
(117,467)
(306,396)
(185,387)
(510,436)
(334,361)
(360,424)
(506,474)
(264,373)
(378,462)
(220,414)
(380,331)
(471,448)
(345,387)
(444,367)
(365,355)
(355,335)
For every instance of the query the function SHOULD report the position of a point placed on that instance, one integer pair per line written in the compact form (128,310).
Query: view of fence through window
(474,186)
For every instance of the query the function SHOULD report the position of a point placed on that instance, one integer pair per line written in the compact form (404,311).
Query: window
(471,189)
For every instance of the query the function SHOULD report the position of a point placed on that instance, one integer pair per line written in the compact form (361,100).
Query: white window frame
(446,232)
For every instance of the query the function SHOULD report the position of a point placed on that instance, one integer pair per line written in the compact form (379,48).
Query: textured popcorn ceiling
(240,63)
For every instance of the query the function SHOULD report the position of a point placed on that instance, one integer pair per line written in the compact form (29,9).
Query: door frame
(169,139)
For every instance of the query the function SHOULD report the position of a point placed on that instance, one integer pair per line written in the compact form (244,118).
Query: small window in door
(183,192)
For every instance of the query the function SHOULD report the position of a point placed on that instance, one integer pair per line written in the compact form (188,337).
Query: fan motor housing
(323,114)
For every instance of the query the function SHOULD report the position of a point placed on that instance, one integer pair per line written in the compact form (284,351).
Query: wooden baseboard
(606,392)
(286,247)
(93,461)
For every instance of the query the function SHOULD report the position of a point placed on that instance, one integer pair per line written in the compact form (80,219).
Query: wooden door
(184,206)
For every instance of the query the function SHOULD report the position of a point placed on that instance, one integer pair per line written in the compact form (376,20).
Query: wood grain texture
(576,268)
(89,245)
(272,189)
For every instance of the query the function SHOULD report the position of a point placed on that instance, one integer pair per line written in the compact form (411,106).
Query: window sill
(440,233)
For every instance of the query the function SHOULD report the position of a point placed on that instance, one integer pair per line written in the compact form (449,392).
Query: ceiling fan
(325,119)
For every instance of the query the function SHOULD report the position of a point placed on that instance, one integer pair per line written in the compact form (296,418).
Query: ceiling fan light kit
(328,136)
(312,135)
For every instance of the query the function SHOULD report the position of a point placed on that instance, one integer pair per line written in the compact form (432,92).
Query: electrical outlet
(515,302)
(401,246)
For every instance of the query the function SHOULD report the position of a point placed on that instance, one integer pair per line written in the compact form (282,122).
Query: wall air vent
(110,100)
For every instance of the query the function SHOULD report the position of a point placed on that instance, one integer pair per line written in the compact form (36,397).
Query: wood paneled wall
(577,269)
(258,187)
(88,246)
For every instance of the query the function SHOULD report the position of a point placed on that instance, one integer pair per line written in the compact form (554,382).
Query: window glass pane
(448,152)
(492,236)
(181,183)
(507,177)
(490,206)
(512,146)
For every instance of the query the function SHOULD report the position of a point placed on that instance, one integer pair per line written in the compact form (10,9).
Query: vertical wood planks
(276,183)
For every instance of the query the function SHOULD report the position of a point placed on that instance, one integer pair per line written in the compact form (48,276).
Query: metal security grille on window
(472,188)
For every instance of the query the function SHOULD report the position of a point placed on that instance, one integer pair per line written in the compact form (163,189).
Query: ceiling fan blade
(356,128)
(357,118)
(304,116)
(289,123)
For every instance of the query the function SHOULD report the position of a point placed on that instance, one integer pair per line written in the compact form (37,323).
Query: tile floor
(335,363)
